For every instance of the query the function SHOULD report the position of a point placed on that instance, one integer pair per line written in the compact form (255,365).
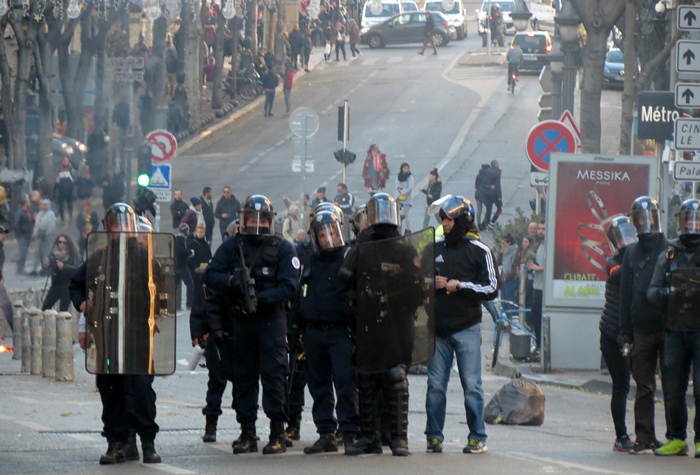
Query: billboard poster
(586,192)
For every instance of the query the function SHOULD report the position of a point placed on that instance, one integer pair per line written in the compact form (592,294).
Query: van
(453,10)
(375,12)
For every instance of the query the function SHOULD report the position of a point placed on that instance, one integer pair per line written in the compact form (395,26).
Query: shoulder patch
(295,262)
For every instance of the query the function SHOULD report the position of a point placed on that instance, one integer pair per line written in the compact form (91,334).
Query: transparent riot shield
(395,302)
(683,309)
(130,319)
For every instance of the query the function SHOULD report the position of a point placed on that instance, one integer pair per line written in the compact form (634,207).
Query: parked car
(407,28)
(614,69)
(482,15)
(536,45)
(454,11)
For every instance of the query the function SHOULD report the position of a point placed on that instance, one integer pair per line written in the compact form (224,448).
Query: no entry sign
(163,145)
(545,138)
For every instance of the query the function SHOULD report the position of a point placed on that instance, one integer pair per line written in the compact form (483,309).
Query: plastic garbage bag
(518,402)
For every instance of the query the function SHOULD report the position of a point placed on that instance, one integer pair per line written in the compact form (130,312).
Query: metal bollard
(18,312)
(64,347)
(35,331)
(26,343)
(48,351)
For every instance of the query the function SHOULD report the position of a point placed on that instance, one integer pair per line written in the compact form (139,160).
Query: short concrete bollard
(26,344)
(18,312)
(35,331)
(48,351)
(64,347)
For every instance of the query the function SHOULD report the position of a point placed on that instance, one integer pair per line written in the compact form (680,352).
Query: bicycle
(502,321)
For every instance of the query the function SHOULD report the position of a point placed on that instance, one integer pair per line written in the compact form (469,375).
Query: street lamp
(568,21)
(520,15)
(556,63)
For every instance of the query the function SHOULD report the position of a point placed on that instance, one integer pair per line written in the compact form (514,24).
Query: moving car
(614,69)
(407,28)
(536,45)
(454,11)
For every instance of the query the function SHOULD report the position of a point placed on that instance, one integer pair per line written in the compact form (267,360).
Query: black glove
(217,337)
(663,293)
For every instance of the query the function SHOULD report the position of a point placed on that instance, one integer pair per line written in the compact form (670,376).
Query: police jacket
(273,264)
(637,313)
(676,257)
(610,319)
(472,263)
(326,300)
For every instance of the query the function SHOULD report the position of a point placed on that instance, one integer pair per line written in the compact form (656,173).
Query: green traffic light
(143,180)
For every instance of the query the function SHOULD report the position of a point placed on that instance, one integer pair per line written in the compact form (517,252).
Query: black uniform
(327,320)
(259,339)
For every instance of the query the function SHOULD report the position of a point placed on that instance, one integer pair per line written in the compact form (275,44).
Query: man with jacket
(346,202)
(509,266)
(178,208)
(227,209)
(641,321)
(208,214)
(270,81)
(23,225)
(492,195)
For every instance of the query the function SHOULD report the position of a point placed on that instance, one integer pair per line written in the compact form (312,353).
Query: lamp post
(556,63)
(520,15)
(568,21)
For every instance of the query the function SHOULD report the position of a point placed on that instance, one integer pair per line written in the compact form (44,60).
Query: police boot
(131,450)
(114,454)
(293,429)
(248,441)
(325,443)
(368,442)
(398,406)
(348,440)
(210,429)
(149,451)
(277,443)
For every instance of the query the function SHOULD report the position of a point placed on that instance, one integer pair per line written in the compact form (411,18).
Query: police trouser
(122,395)
(218,358)
(260,353)
(391,388)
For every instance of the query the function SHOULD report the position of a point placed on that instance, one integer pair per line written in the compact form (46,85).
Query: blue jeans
(269,100)
(466,344)
(682,349)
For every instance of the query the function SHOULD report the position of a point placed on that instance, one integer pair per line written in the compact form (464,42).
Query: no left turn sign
(163,145)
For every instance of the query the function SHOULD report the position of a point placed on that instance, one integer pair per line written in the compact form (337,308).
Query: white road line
(164,467)
(244,168)
(83,437)
(369,61)
(395,59)
(254,159)
(27,400)
(419,58)
(223,447)
(6,418)
(34,425)
(562,463)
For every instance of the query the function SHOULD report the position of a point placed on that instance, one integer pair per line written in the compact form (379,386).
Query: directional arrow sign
(688,56)
(688,18)
(687,95)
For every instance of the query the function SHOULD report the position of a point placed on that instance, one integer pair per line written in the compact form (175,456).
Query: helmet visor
(256,223)
(359,220)
(382,212)
(328,236)
(621,233)
(646,221)
(689,221)
(121,222)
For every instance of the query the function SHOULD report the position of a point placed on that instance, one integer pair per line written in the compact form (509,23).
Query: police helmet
(328,206)
(454,207)
(327,231)
(621,233)
(120,217)
(689,217)
(382,209)
(359,219)
(257,216)
(646,215)
(145,225)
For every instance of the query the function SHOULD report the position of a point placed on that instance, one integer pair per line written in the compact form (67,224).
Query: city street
(450,111)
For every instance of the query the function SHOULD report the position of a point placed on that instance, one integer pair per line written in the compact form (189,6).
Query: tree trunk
(217,93)
(43,58)
(159,75)
(6,96)
(628,93)
(251,26)
(73,85)
(193,61)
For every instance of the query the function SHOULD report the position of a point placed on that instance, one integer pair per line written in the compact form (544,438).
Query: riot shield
(130,318)
(683,309)
(395,302)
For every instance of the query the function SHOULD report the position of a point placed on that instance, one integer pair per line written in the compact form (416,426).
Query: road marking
(254,159)
(572,465)
(418,59)
(343,64)
(82,437)
(223,447)
(369,61)
(34,425)
(164,467)
(395,59)
(7,418)
(27,400)
(244,168)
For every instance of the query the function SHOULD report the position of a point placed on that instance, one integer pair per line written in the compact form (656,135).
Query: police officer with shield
(391,288)
(257,273)
(123,334)
(675,287)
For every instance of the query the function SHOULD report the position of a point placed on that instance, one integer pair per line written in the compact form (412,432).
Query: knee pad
(397,374)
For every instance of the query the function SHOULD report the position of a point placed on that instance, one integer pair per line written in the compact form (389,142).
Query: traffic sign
(684,170)
(160,177)
(303,119)
(688,56)
(163,145)
(567,119)
(539,178)
(688,18)
(163,196)
(687,95)
(545,138)
(687,134)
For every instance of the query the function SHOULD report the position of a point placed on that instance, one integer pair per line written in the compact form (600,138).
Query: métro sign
(656,113)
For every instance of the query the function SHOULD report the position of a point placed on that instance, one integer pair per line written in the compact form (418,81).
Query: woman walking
(375,170)
(432,193)
(64,190)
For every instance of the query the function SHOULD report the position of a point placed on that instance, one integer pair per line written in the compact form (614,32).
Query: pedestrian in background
(178,208)
(428,33)
(113,188)
(23,225)
(62,262)
(193,216)
(43,234)
(84,184)
(182,267)
(404,187)
(432,193)
(320,197)
(291,223)
(346,201)
(339,41)
(64,190)
(354,37)
(375,170)
(537,266)
(492,195)
(209,74)
(270,81)
(287,84)
(308,45)
(227,209)
(208,214)
(296,41)
(509,270)
(479,196)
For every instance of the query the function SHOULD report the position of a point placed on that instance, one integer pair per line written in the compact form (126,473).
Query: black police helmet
(621,233)
(327,231)
(257,216)
(646,215)
(689,217)
(120,217)
(382,209)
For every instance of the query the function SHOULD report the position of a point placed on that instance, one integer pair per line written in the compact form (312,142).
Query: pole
(346,135)
(302,212)
(129,142)
(26,343)
(569,78)
(48,351)
(488,28)
(64,347)
(157,218)
(556,95)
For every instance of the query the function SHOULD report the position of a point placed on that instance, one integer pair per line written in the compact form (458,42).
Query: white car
(376,11)
(542,15)
(453,10)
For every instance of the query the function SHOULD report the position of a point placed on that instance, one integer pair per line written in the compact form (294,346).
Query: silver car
(408,28)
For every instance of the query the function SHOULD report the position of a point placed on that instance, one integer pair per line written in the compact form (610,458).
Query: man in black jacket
(227,208)
(327,319)
(465,275)
(641,321)
(208,213)
(492,195)
(178,208)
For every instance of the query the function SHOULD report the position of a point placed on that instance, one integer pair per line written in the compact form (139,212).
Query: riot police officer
(131,387)
(257,273)
(327,320)
(675,287)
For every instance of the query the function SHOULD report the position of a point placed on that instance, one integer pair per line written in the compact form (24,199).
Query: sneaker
(672,447)
(434,446)
(623,444)
(475,447)
(640,448)
(697,450)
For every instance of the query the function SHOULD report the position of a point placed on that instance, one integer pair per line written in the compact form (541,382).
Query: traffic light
(143,174)
(345,157)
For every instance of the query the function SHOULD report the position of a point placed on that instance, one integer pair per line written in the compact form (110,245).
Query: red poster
(588,195)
